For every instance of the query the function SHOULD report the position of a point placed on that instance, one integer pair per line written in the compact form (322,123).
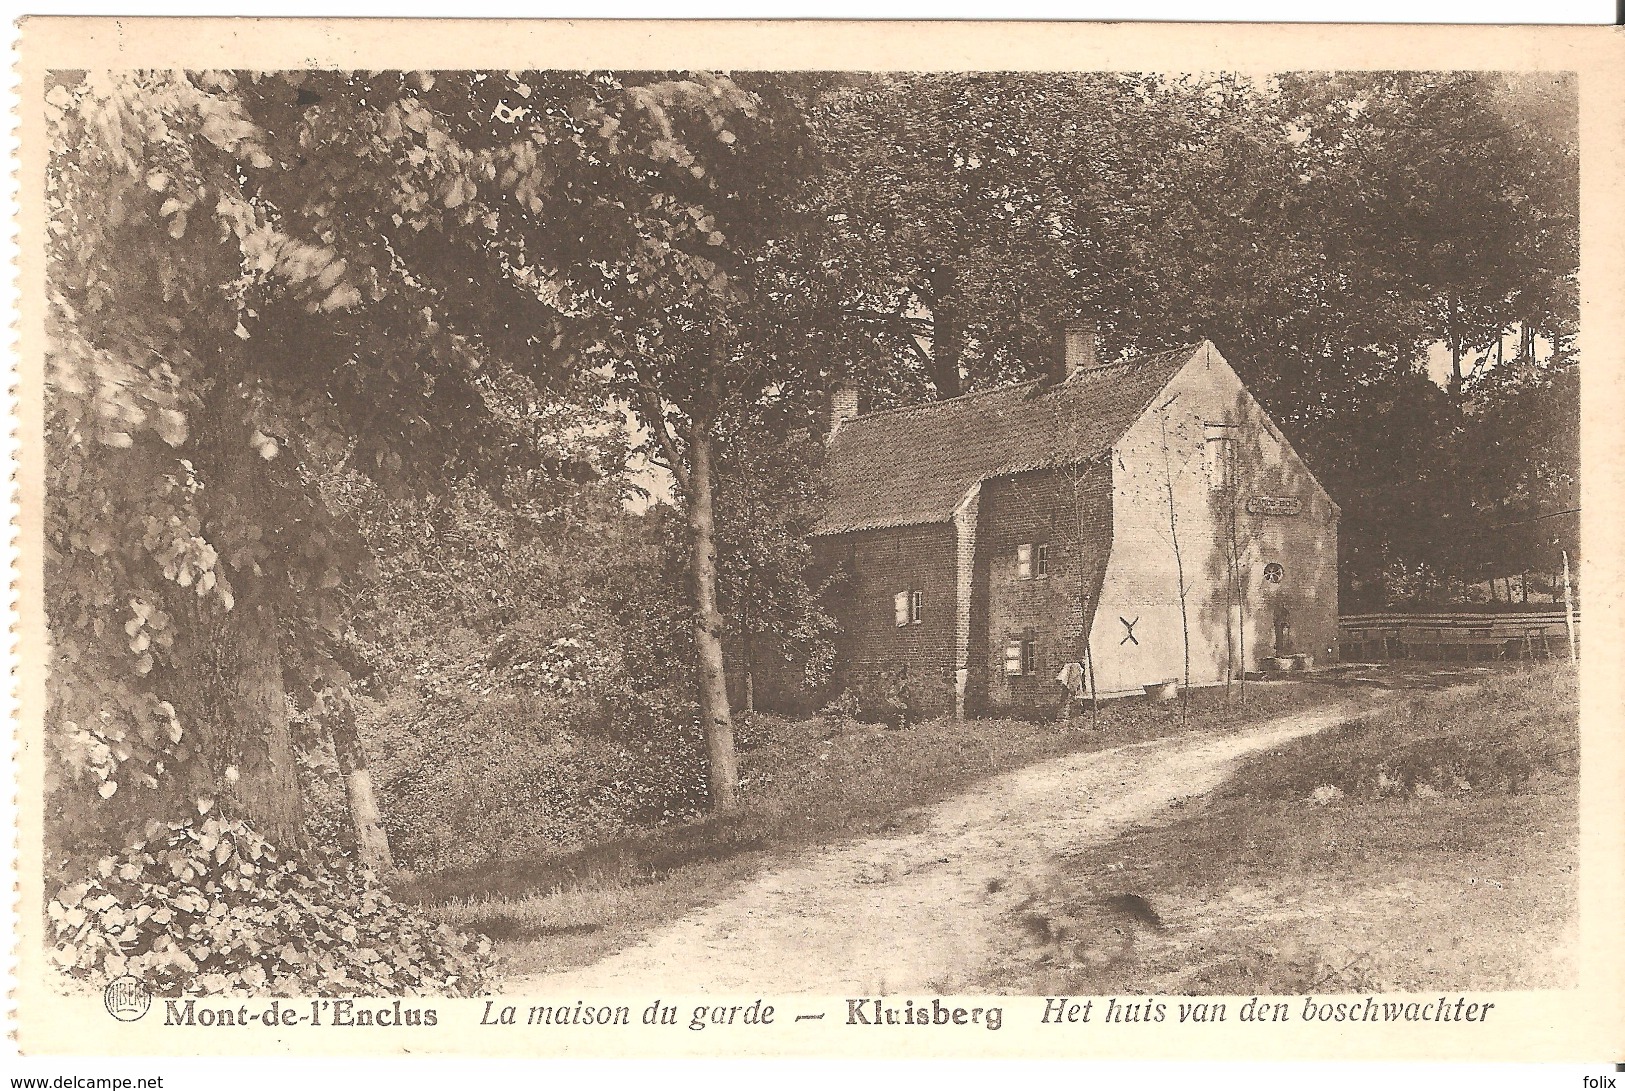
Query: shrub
(842,709)
(665,775)
(206,907)
(894,697)
(488,777)
(467,780)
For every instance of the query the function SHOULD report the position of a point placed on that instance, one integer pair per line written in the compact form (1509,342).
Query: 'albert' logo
(127,999)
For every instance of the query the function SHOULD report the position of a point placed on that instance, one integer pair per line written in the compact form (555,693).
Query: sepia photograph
(910,537)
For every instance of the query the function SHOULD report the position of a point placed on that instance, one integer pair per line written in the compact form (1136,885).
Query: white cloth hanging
(1072,677)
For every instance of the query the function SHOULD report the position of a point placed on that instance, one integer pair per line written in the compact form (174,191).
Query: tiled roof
(903,467)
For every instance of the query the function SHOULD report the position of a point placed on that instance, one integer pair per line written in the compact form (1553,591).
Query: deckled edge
(10,444)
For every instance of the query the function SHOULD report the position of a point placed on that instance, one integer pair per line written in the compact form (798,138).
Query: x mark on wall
(1128,636)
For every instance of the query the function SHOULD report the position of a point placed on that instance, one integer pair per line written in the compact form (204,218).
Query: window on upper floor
(1032,560)
(906,607)
(1221,457)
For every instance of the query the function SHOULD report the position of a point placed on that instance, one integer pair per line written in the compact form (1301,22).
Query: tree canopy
(255,278)
(260,284)
(1331,232)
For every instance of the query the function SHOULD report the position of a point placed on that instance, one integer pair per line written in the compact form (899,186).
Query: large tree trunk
(715,719)
(228,684)
(371,842)
(232,704)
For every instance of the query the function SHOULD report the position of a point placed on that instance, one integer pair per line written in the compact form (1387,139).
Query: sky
(1438,359)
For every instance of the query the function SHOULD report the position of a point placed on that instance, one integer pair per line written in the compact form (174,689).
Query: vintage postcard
(820,539)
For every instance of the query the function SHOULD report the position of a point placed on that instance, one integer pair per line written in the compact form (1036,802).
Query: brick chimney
(1081,341)
(843,406)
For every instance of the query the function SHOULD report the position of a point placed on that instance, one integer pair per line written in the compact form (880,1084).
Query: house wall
(1068,509)
(1233,625)
(875,565)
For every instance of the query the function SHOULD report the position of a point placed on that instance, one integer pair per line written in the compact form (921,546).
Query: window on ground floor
(1021,655)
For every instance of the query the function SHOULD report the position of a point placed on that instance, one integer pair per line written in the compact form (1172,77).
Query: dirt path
(918,912)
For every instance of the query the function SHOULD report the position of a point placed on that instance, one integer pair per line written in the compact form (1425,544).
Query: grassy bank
(806,783)
(1431,845)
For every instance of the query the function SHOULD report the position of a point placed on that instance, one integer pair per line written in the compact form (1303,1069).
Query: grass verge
(809,783)
(1432,844)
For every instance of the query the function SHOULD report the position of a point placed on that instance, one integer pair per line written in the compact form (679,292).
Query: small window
(1221,457)
(1021,655)
(1032,560)
(906,607)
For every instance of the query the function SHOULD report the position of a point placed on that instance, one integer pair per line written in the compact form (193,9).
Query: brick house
(984,542)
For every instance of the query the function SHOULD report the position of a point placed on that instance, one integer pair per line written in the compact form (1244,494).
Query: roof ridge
(912,468)
(934,403)
(1011,387)
(1150,357)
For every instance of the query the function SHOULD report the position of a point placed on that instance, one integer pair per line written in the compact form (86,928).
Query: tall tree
(1458,188)
(978,212)
(769,494)
(942,185)
(699,332)
(255,277)
(649,217)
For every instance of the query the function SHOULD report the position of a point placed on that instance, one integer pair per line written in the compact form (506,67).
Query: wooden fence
(1531,634)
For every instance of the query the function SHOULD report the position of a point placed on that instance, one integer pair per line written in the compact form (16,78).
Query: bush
(842,709)
(893,697)
(665,775)
(206,907)
(469,780)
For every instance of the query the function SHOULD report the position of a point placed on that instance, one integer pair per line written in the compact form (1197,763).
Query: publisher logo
(126,998)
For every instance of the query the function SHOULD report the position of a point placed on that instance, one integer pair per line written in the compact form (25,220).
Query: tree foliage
(207,907)
(769,494)
(258,277)
(1332,232)
(298,322)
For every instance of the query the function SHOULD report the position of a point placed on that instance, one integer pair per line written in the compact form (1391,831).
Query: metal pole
(1568,607)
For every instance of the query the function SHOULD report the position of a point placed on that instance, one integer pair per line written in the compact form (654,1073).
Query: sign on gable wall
(1274,505)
